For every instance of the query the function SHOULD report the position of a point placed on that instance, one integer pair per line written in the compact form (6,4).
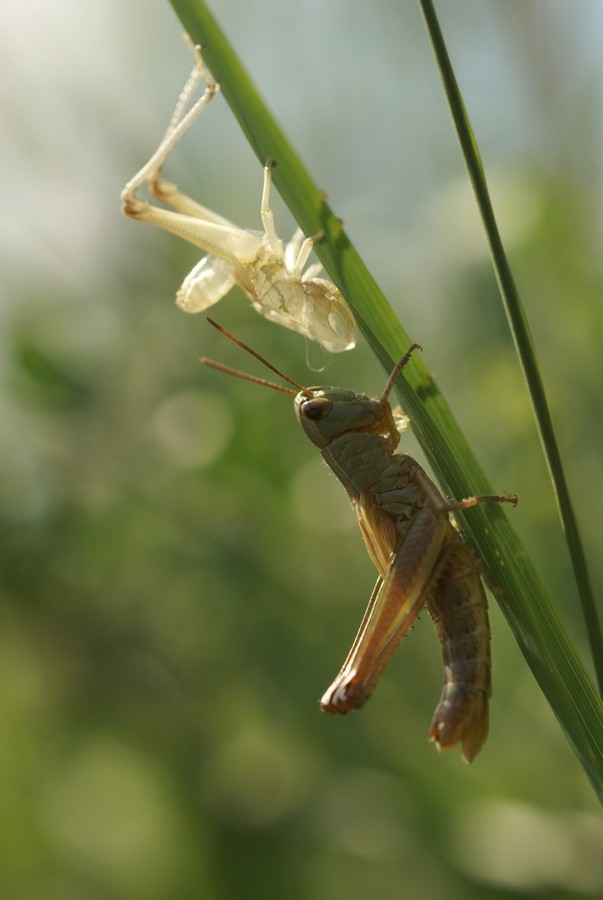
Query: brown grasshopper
(421,558)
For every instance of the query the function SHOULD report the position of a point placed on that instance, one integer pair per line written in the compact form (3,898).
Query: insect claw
(271,162)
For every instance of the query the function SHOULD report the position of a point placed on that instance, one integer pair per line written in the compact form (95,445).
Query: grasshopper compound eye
(316,408)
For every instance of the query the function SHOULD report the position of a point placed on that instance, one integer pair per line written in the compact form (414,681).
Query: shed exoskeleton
(273,275)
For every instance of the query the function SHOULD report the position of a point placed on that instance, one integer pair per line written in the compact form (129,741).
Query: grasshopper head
(330,412)
(327,413)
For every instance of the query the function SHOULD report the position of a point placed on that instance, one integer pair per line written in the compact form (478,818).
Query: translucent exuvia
(271,274)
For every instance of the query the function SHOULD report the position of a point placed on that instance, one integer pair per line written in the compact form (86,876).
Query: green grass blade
(522,336)
(534,622)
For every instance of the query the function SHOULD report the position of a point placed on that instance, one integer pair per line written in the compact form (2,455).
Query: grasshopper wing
(393,607)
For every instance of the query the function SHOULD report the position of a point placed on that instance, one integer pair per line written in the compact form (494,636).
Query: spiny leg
(199,74)
(439,504)
(191,221)
(468,502)
(181,120)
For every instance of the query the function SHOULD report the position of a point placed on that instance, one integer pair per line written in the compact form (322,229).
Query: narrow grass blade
(523,339)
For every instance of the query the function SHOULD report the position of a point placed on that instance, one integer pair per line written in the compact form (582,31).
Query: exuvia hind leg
(185,113)
(187,219)
(226,245)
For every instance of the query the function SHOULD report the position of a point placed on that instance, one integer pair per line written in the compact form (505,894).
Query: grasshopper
(421,558)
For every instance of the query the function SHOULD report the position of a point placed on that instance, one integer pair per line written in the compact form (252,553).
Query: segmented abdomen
(459,611)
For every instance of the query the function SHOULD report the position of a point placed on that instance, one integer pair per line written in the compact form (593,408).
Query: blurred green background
(181,578)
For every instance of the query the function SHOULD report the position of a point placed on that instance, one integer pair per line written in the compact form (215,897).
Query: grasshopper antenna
(230,371)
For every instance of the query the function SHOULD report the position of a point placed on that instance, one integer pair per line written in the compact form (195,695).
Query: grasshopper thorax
(328,413)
